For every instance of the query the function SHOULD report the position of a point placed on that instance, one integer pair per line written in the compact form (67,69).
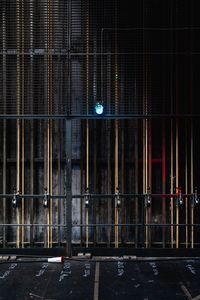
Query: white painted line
(96,281)
(196,298)
(186,292)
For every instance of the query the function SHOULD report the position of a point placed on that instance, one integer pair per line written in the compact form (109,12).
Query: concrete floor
(100,280)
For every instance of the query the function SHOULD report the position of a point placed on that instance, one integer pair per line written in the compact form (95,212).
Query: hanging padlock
(46,198)
(117,198)
(179,199)
(87,198)
(15,199)
(147,198)
(194,200)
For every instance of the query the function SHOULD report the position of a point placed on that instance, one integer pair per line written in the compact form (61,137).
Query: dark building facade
(111,179)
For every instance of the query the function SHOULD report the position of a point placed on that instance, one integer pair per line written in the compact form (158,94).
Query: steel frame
(68,225)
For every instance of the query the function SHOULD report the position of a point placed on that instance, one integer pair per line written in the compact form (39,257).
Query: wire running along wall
(58,58)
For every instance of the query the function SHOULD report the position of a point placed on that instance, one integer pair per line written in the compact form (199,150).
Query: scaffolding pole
(163,182)
(87,122)
(22,124)
(31,205)
(4,122)
(186,184)
(177,182)
(172,183)
(192,180)
(18,175)
(116,178)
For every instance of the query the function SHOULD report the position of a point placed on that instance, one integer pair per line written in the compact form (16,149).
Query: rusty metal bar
(22,123)
(116,163)
(18,86)
(186,184)
(116,181)
(172,184)
(177,181)
(146,183)
(87,121)
(119,116)
(192,179)
(58,187)
(31,206)
(116,87)
(191,95)
(109,126)
(163,180)
(122,180)
(96,196)
(4,121)
(136,169)
(149,180)
(172,127)
(103,224)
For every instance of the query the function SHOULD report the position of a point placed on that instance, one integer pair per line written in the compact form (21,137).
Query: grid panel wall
(61,57)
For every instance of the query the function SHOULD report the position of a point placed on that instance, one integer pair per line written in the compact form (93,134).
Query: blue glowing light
(99,108)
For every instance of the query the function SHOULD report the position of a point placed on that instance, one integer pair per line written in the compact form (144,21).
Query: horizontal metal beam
(99,196)
(96,117)
(101,225)
(34,251)
(138,252)
(66,54)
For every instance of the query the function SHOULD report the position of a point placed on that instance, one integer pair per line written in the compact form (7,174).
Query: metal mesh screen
(61,57)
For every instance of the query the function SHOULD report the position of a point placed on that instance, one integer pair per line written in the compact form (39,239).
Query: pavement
(100,279)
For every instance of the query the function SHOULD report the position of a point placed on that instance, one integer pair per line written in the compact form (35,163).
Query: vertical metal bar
(123,203)
(116,134)
(22,191)
(192,123)
(116,177)
(31,182)
(109,184)
(51,185)
(31,207)
(87,182)
(192,180)
(87,121)
(4,122)
(136,175)
(177,140)
(164,200)
(149,172)
(171,131)
(136,181)
(18,112)
(163,182)
(48,185)
(186,184)
(177,182)
(45,123)
(50,122)
(68,185)
(145,130)
(58,187)
(22,125)
(109,213)
(146,183)
(172,184)
(82,157)
(144,172)
(95,206)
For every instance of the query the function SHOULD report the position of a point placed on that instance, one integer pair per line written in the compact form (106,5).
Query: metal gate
(72,177)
